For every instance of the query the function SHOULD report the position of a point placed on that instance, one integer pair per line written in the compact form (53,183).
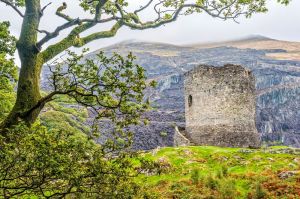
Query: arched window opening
(190,100)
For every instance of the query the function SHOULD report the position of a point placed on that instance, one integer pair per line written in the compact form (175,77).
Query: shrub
(180,191)
(195,176)
(40,163)
(211,182)
(259,193)
(222,172)
(227,189)
(163,134)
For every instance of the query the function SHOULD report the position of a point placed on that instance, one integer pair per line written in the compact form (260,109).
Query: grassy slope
(212,172)
(57,115)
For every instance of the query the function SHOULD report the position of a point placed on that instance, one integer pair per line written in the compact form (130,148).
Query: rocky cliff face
(277,88)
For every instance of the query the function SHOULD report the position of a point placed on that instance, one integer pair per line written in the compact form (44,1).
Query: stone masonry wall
(220,106)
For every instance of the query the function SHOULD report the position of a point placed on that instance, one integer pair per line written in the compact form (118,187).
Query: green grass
(214,172)
(60,114)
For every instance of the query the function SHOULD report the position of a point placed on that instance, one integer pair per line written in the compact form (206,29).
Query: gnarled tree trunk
(28,92)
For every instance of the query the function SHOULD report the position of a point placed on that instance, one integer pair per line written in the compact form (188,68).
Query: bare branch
(143,7)
(9,3)
(62,15)
(54,34)
(43,31)
(44,8)
(72,22)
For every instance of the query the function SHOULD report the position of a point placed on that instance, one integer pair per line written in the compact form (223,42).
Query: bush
(211,182)
(180,191)
(163,134)
(195,176)
(41,163)
(227,189)
(223,172)
(259,193)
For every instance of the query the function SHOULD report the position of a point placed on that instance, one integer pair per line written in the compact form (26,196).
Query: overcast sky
(281,22)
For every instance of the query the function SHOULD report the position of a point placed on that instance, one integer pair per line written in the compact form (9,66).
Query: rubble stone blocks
(220,106)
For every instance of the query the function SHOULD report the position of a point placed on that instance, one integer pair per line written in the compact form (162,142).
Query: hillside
(212,172)
(277,87)
(260,43)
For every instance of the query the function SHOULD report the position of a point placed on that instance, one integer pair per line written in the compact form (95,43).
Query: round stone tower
(220,106)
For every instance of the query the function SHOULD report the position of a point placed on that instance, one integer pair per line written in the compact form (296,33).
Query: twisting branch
(11,4)
(143,7)
(44,8)
(62,15)
(167,14)
(99,35)
(74,40)
(56,32)
(43,31)
(99,7)
(72,22)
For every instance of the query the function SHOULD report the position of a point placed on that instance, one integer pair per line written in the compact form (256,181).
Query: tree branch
(143,7)
(73,39)
(224,12)
(62,15)
(44,8)
(56,32)
(99,35)
(99,6)
(9,3)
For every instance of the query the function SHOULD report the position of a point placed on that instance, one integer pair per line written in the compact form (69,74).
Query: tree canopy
(8,70)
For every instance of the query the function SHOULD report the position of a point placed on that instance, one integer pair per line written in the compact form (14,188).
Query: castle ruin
(220,106)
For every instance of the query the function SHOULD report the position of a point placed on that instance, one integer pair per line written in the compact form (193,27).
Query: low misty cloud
(281,22)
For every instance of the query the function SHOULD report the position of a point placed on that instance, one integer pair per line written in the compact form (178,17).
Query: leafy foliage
(111,87)
(60,159)
(8,70)
(57,163)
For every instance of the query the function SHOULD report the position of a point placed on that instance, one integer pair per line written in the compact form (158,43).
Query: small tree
(33,53)
(55,163)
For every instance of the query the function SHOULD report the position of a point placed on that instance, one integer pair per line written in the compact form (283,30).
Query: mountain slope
(277,87)
(260,43)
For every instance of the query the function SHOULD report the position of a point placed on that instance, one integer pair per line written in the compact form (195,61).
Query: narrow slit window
(190,100)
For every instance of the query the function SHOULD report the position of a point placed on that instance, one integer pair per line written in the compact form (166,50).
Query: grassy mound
(213,172)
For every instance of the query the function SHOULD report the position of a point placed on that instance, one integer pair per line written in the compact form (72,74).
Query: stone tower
(220,106)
